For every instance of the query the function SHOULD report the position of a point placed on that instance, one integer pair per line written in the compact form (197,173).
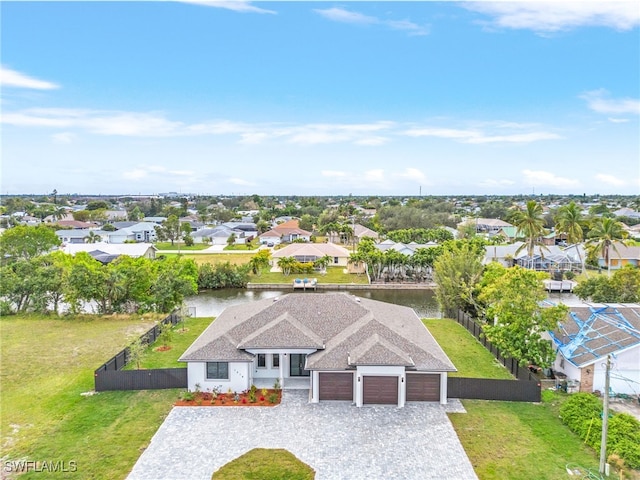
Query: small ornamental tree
(515,318)
(136,351)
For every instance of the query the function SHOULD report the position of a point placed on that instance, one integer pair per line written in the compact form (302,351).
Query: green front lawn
(519,440)
(180,246)
(265,464)
(46,363)
(213,258)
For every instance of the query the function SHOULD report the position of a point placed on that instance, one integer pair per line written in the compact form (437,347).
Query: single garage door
(336,386)
(423,387)
(379,389)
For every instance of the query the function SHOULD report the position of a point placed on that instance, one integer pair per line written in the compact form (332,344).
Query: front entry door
(296,365)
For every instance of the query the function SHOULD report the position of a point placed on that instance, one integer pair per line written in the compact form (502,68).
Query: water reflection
(212,303)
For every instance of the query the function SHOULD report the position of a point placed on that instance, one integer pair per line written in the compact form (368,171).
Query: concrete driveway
(338,440)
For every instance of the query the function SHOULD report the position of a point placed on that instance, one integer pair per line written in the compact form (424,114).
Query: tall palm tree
(604,234)
(530,223)
(568,222)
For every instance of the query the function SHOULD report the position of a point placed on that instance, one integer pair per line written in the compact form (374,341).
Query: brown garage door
(336,386)
(423,387)
(379,389)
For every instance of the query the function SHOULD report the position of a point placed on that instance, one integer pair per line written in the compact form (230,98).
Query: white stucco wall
(239,377)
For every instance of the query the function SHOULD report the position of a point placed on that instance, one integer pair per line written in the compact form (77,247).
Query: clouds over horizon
(544,17)
(240,6)
(13,78)
(342,15)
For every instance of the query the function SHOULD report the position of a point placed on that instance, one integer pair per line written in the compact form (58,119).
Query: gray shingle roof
(337,324)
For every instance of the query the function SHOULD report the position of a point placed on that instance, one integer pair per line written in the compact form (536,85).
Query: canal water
(211,303)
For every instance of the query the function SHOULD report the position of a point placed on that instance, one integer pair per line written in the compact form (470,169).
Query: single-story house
(548,259)
(338,346)
(404,248)
(490,226)
(359,232)
(134,250)
(79,235)
(310,252)
(592,332)
(218,235)
(288,231)
(620,256)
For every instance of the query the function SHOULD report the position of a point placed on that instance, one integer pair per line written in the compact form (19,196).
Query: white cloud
(333,173)
(12,78)
(599,101)
(415,175)
(618,120)
(342,15)
(242,182)
(135,174)
(372,141)
(375,175)
(63,137)
(480,137)
(539,177)
(496,183)
(554,16)
(610,180)
(240,6)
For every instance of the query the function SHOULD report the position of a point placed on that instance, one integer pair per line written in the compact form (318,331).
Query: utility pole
(605,418)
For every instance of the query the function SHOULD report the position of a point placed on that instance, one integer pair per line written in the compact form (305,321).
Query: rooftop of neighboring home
(404,248)
(593,331)
(130,249)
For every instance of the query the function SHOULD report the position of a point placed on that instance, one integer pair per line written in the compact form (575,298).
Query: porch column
(281,368)
(443,388)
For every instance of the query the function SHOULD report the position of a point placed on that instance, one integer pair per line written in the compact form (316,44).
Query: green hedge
(582,413)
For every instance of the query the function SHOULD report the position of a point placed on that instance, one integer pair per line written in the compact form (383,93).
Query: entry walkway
(338,440)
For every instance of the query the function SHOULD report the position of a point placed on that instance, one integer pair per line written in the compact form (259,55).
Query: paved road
(336,439)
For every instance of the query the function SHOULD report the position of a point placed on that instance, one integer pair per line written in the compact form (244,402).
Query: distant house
(79,235)
(288,231)
(156,220)
(551,258)
(359,232)
(310,252)
(76,224)
(489,226)
(588,335)
(134,250)
(337,346)
(404,248)
(620,256)
(218,235)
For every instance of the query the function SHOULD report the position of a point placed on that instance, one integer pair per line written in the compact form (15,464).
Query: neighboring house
(310,252)
(627,212)
(404,248)
(360,232)
(592,332)
(338,346)
(288,231)
(218,235)
(490,226)
(156,220)
(76,224)
(623,256)
(250,229)
(548,259)
(134,250)
(509,233)
(80,236)
(116,215)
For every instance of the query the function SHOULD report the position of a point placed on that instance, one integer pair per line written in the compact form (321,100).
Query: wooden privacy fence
(110,376)
(492,389)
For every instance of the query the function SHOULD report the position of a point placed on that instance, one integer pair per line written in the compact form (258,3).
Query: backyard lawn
(200,258)
(46,363)
(180,246)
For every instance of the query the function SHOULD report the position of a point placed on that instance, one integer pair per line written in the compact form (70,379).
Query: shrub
(187,396)
(273,398)
(582,414)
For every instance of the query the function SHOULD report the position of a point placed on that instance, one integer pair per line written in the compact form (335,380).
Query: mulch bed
(205,399)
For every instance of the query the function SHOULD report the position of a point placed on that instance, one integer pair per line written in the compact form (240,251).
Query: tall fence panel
(492,389)
(141,379)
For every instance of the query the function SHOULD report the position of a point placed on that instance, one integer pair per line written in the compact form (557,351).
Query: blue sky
(320,98)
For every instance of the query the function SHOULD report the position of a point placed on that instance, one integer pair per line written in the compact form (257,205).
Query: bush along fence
(110,376)
(525,389)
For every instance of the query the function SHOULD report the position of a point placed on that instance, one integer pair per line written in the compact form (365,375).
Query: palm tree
(568,222)
(286,264)
(530,224)
(93,237)
(603,235)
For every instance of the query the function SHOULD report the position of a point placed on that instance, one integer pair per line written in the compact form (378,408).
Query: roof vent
(275,299)
(358,299)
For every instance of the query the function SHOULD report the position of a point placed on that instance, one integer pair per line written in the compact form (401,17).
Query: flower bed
(249,398)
